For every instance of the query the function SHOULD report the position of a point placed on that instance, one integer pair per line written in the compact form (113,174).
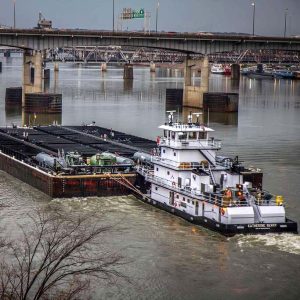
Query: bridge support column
(152,67)
(56,67)
(128,71)
(104,67)
(193,95)
(235,71)
(36,86)
(27,85)
(38,72)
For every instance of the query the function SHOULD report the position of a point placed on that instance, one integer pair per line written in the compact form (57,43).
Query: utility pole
(157,7)
(285,16)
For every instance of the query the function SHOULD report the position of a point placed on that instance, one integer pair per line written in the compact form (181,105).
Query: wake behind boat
(185,177)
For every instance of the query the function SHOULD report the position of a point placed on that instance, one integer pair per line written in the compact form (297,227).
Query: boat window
(193,202)
(165,133)
(156,188)
(168,172)
(188,200)
(183,198)
(174,153)
(164,151)
(202,135)
(173,135)
(177,196)
(192,135)
(156,169)
(182,135)
(183,204)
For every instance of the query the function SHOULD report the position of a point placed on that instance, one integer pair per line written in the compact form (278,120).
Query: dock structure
(20,146)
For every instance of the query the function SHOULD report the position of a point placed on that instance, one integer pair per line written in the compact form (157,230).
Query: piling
(0,66)
(152,67)
(56,67)
(13,97)
(128,71)
(221,102)
(235,71)
(43,103)
(103,67)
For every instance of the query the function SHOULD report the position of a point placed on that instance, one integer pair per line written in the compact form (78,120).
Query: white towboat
(186,177)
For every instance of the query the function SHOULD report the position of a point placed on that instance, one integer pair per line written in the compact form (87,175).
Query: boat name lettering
(261,225)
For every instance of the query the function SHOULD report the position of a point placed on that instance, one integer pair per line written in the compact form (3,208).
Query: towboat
(185,176)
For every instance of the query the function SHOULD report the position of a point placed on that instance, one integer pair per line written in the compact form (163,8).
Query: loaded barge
(180,173)
(71,161)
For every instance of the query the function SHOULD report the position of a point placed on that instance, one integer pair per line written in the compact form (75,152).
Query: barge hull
(66,186)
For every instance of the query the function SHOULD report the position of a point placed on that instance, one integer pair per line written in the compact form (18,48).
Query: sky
(173,15)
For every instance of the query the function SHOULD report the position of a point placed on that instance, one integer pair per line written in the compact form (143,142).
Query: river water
(170,258)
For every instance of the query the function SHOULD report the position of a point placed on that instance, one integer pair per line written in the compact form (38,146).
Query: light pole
(113,15)
(14,13)
(285,15)
(253,18)
(157,7)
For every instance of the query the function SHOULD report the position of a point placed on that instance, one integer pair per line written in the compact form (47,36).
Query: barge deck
(19,147)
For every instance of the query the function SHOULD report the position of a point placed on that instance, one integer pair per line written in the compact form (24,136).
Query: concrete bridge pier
(29,59)
(235,71)
(56,67)
(128,71)
(104,67)
(193,95)
(152,67)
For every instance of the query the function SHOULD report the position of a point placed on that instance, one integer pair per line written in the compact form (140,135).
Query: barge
(187,178)
(71,161)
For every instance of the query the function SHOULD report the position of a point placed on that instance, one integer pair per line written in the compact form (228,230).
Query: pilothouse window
(182,135)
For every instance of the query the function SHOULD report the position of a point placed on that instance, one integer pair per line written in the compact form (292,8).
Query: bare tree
(57,258)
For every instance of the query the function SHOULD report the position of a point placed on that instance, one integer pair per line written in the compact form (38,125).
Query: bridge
(201,43)
(36,41)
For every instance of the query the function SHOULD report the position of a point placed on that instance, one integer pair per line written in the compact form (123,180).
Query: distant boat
(283,73)
(258,73)
(217,69)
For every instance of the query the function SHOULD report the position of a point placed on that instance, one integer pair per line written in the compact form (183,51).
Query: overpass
(35,41)
(197,43)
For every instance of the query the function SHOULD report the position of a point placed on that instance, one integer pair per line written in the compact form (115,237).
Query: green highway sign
(138,14)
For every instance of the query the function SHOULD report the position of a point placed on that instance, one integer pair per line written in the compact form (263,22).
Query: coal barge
(72,161)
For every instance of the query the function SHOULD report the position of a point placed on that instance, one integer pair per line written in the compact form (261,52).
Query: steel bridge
(189,43)
(146,56)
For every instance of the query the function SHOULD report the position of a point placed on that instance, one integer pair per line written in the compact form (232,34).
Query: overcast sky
(174,15)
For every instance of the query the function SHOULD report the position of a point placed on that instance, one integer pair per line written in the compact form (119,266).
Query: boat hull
(225,229)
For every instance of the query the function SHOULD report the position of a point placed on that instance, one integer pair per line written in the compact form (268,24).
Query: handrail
(212,198)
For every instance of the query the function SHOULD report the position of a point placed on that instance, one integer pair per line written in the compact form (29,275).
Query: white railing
(198,144)
(215,199)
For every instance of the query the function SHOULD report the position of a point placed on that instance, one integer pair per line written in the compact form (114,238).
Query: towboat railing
(199,144)
(212,198)
(172,163)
